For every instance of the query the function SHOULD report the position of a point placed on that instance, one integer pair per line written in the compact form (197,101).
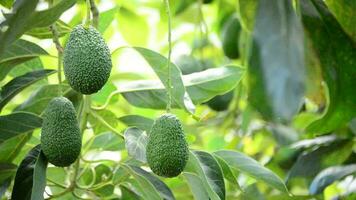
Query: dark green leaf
(16,85)
(337,55)
(24,175)
(26,67)
(345,13)
(159,65)
(7,170)
(136,142)
(252,168)
(18,123)
(201,87)
(18,52)
(328,176)
(309,163)
(276,66)
(209,172)
(39,99)
(39,178)
(196,186)
(227,171)
(160,186)
(137,121)
(14,26)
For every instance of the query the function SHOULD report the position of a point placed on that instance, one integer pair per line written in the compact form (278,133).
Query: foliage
(264,91)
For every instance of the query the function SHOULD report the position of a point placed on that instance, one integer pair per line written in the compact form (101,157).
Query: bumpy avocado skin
(230,37)
(60,138)
(167,150)
(87,60)
(221,102)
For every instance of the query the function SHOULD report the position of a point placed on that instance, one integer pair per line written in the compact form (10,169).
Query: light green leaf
(200,86)
(39,177)
(196,186)
(7,170)
(136,142)
(137,121)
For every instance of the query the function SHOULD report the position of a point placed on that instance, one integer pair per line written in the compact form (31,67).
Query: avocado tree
(188,99)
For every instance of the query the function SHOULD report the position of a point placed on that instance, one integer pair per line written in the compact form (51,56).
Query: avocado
(188,64)
(60,137)
(230,37)
(167,150)
(87,60)
(221,102)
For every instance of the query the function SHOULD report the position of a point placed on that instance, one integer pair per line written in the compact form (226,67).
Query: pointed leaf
(18,123)
(39,178)
(19,83)
(252,168)
(277,49)
(136,142)
(196,186)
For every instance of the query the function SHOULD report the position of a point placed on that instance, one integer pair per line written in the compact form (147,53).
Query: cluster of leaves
(281,114)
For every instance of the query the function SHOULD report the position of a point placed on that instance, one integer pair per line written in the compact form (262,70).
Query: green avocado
(230,37)
(60,137)
(207,1)
(221,102)
(87,60)
(167,150)
(188,64)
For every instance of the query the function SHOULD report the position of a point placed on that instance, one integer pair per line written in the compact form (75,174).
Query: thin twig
(95,13)
(169,81)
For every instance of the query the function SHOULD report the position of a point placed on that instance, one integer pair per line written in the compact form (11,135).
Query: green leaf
(18,123)
(128,194)
(39,99)
(310,162)
(278,48)
(105,190)
(14,26)
(107,118)
(200,86)
(227,171)
(106,19)
(10,148)
(136,142)
(137,121)
(196,186)
(46,33)
(39,177)
(4,185)
(7,170)
(208,171)
(16,85)
(159,65)
(107,141)
(252,168)
(129,30)
(18,52)
(47,17)
(337,55)
(7,4)
(160,186)
(247,11)
(345,13)
(328,176)
(120,175)
(24,175)
(147,190)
